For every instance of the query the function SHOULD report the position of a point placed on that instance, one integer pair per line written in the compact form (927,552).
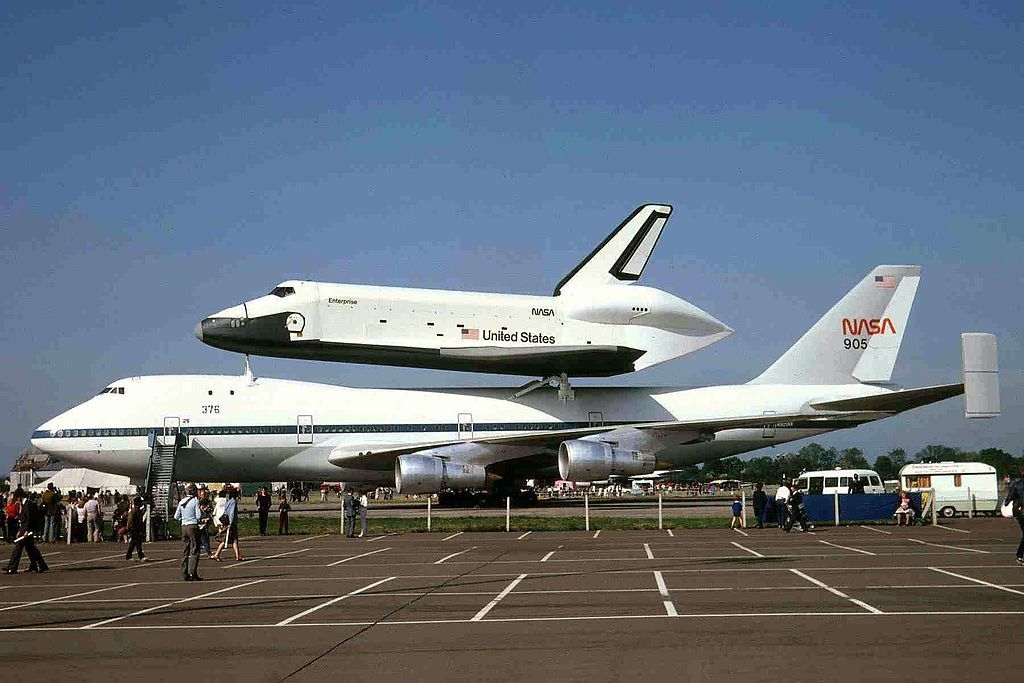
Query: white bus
(953,481)
(838,481)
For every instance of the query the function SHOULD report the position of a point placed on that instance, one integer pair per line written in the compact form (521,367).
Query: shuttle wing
(687,431)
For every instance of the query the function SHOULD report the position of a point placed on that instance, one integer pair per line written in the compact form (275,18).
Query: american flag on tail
(885,281)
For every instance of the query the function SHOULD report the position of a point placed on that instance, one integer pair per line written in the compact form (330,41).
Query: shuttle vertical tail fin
(858,339)
(623,255)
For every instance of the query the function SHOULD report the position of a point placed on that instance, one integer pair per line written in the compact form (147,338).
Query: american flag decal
(470,333)
(885,281)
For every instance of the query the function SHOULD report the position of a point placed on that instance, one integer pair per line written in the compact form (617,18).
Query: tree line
(814,456)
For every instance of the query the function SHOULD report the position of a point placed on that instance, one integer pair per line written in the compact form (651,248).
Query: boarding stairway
(160,476)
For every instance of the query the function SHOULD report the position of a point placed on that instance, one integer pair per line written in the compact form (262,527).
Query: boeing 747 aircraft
(208,428)
(592,326)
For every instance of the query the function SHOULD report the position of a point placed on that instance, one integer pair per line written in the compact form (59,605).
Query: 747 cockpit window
(113,390)
(282,291)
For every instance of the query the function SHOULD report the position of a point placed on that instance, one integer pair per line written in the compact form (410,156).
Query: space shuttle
(597,323)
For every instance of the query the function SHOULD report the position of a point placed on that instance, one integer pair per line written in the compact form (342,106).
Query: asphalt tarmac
(848,603)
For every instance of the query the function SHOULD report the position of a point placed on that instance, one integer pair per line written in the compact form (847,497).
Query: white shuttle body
(593,324)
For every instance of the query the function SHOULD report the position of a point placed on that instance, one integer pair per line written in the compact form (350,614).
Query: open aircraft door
(465,426)
(172,427)
(768,431)
(304,429)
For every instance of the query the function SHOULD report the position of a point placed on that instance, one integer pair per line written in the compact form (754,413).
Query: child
(282,517)
(737,510)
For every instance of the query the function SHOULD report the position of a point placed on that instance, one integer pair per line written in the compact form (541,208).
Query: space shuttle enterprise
(593,325)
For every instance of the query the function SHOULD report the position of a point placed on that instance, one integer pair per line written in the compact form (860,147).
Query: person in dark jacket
(263,502)
(25,541)
(760,504)
(348,505)
(135,524)
(797,511)
(1015,495)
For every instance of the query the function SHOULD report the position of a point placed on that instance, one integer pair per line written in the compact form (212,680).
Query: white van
(838,481)
(952,481)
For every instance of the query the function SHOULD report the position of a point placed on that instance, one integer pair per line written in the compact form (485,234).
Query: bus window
(816,486)
(875,481)
(844,482)
(831,482)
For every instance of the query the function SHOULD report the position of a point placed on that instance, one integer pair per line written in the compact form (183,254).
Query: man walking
(760,504)
(348,506)
(263,502)
(189,513)
(782,504)
(1015,495)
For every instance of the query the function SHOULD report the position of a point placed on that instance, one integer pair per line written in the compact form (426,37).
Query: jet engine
(430,474)
(595,460)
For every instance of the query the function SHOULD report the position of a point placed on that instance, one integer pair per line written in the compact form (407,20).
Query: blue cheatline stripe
(218,430)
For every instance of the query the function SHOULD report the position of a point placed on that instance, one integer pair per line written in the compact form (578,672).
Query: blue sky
(162,162)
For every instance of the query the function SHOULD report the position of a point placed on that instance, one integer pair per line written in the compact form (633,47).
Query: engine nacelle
(595,460)
(430,474)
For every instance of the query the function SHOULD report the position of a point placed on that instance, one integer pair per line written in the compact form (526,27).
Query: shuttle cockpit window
(282,291)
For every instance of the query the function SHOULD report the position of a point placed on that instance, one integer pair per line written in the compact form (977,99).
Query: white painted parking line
(740,531)
(670,607)
(378,538)
(743,547)
(547,557)
(268,557)
(949,528)
(310,538)
(524,535)
(647,549)
(91,559)
(285,622)
(839,593)
(978,581)
(356,557)
(846,547)
(498,598)
(66,597)
(877,531)
(457,533)
(951,547)
(597,533)
(448,557)
(670,533)
(140,565)
(169,604)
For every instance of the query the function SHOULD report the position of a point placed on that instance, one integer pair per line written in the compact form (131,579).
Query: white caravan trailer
(956,484)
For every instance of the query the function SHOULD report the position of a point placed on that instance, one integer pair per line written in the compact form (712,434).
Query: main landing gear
(565,390)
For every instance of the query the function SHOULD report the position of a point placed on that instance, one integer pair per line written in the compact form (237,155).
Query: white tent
(80,479)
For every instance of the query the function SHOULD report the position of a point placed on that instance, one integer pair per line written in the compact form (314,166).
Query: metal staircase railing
(160,477)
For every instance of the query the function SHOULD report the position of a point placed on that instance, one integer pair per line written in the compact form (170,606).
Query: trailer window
(921,481)
(958,480)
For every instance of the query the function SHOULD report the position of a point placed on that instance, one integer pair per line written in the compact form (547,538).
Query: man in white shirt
(363,503)
(93,520)
(782,503)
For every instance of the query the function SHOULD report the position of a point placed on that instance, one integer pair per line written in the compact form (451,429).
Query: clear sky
(161,162)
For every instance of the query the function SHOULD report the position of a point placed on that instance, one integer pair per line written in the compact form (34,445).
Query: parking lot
(942,602)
